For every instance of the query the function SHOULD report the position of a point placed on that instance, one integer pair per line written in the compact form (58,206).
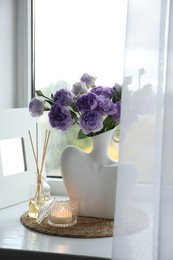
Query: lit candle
(62,214)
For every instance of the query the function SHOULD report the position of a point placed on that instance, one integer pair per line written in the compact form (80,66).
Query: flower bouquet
(95,109)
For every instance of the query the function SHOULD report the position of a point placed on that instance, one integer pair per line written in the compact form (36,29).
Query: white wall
(7,53)
(15,53)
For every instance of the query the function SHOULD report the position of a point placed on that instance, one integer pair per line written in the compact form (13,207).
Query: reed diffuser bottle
(39,191)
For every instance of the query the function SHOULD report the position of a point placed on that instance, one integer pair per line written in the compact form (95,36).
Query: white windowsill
(57,186)
(15,239)
(14,236)
(143,191)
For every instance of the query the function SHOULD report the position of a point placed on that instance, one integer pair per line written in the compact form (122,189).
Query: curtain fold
(144,228)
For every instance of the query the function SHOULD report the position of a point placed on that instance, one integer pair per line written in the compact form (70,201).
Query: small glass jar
(39,193)
(62,213)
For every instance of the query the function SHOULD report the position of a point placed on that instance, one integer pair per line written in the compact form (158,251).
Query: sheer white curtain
(144,230)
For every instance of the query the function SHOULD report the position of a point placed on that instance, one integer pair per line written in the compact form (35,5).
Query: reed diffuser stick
(37,141)
(35,157)
(35,154)
(45,148)
(44,154)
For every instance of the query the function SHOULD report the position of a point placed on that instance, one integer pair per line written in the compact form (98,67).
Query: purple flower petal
(88,80)
(86,102)
(91,122)
(107,92)
(106,106)
(117,114)
(60,117)
(79,88)
(36,107)
(63,97)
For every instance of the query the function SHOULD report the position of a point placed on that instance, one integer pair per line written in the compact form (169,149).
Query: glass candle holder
(62,213)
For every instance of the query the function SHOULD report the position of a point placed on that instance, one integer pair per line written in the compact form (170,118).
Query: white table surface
(13,235)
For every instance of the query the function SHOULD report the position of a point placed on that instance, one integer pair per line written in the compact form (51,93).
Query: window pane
(73,37)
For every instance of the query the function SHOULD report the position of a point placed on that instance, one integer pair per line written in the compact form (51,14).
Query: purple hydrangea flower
(91,121)
(63,97)
(104,91)
(116,116)
(106,106)
(60,117)
(88,80)
(79,88)
(86,102)
(36,107)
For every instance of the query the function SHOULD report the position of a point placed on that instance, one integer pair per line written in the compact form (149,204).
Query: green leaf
(73,115)
(49,102)
(39,93)
(46,109)
(108,123)
(116,95)
(81,135)
(73,107)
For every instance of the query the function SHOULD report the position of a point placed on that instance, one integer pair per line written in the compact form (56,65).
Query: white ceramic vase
(90,178)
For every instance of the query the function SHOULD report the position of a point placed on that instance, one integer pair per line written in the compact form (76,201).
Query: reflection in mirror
(12,156)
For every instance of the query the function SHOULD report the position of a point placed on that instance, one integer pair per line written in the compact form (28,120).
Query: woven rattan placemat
(86,227)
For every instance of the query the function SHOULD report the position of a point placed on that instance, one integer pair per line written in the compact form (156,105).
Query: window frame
(56,182)
(24,50)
